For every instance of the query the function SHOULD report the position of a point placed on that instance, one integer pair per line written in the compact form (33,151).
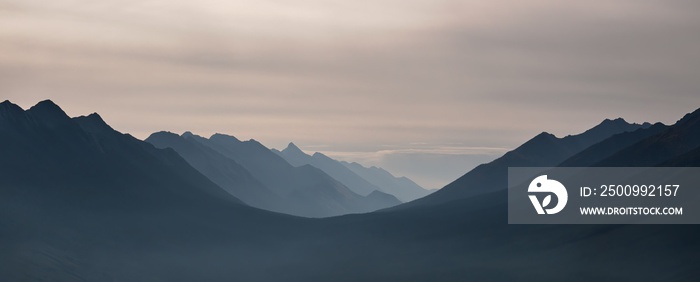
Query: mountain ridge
(127,211)
(543,150)
(675,140)
(309,187)
(223,171)
(335,169)
(402,187)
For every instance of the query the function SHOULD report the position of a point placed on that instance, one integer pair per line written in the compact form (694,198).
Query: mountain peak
(160,135)
(93,123)
(47,105)
(8,109)
(614,121)
(49,112)
(605,129)
(538,143)
(191,136)
(221,136)
(96,117)
(544,135)
(7,103)
(611,123)
(292,148)
(621,123)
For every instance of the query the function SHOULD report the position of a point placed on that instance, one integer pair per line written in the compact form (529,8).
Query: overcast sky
(426,88)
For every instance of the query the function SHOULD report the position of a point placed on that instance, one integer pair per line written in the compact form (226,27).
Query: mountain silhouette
(335,169)
(403,188)
(293,155)
(612,145)
(82,202)
(87,157)
(306,190)
(223,171)
(674,141)
(543,150)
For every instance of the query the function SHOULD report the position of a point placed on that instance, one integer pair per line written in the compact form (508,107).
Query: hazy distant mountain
(355,176)
(293,155)
(543,150)
(307,190)
(335,169)
(224,171)
(401,187)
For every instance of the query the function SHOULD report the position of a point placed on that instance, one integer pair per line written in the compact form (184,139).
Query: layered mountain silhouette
(403,188)
(45,151)
(543,150)
(251,172)
(223,171)
(598,152)
(673,142)
(360,179)
(80,201)
(335,169)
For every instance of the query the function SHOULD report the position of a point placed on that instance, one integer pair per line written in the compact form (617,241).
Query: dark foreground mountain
(87,206)
(691,159)
(80,201)
(45,151)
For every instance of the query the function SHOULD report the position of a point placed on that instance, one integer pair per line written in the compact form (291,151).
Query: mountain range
(360,179)
(80,201)
(403,188)
(267,181)
(543,150)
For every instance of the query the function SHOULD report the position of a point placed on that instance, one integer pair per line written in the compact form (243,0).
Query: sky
(424,88)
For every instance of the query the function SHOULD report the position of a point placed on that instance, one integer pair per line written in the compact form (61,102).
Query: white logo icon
(542,184)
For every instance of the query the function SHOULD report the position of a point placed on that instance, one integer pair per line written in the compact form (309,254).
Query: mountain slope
(223,171)
(612,145)
(676,140)
(71,219)
(335,169)
(689,159)
(49,148)
(82,202)
(543,150)
(401,187)
(309,190)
